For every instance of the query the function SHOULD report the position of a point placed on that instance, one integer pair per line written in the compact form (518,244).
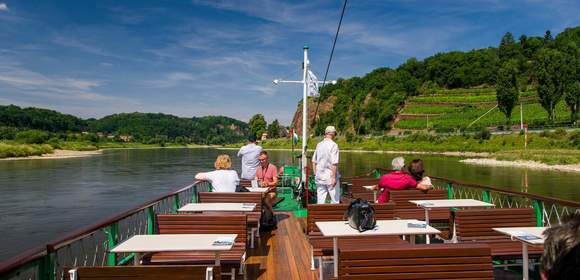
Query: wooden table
(533,236)
(448,203)
(338,229)
(219,206)
(140,244)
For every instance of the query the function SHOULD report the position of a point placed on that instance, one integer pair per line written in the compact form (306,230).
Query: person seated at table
(417,171)
(267,176)
(223,179)
(397,180)
(561,257)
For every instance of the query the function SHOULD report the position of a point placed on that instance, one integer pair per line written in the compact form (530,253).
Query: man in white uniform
(325,168)
(249,154)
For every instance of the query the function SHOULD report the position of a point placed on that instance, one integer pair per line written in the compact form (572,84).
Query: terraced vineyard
(447,110)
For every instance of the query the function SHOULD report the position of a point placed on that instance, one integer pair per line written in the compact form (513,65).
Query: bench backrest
(358,182)
(201,223)
(149,272)
(434,261)
(473,224)
(407,210)
(356,188)
(246,183)
(335,212)
(241,197)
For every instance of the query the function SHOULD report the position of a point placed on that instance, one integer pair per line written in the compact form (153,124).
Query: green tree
(274,129)
(573,100)
(548,37)
(549,66)
(257,125)
(507,88)
(507,47)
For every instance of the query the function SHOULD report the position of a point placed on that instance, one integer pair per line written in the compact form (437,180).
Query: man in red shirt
(267,176)
(397,180)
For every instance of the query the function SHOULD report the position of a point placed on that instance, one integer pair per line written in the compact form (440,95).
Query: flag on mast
(312,84)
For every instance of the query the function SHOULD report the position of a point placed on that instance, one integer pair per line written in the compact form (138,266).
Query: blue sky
(196,57)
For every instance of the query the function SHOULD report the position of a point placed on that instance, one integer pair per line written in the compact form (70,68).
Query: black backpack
(360,215)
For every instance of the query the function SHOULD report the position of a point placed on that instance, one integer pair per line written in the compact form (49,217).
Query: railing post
(175,203)
(194,195)
(377,173)
(112,239)
(47,265)
(150,220)
(487,196)
(450,190)
(539,209)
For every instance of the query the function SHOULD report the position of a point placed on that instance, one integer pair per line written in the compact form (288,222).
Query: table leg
(427,239)
(412,239)
(335,249)
(137,259)
(454,238)
(217,259)
(375,196)
(525,261)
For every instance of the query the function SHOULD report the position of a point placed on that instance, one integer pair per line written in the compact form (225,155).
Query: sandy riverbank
(522,164)
(60,154)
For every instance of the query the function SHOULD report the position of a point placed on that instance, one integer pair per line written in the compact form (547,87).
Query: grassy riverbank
(557,147)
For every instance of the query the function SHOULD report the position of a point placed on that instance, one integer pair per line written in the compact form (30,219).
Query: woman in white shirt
(223,179)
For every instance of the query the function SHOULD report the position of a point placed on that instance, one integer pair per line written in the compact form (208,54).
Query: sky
(93,58)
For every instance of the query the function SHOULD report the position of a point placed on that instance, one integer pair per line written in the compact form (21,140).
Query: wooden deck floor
(282,254)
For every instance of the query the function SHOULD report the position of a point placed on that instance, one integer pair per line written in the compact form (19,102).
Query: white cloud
(3,7)
(171,80)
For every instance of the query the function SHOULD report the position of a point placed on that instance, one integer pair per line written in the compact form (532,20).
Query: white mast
(305,84)
(305,116)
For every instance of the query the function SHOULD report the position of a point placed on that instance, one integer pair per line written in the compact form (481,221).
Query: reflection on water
(42,199)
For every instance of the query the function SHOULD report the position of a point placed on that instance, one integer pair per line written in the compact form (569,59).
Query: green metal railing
(91,246)
(548,210)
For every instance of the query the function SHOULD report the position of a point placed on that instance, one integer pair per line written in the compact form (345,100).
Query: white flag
(312,84)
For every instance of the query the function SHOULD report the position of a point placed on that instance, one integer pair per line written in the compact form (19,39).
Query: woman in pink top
(397,180)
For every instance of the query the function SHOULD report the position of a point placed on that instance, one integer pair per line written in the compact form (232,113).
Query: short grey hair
(398,163)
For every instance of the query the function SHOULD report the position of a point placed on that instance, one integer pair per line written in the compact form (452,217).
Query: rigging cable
(329,61)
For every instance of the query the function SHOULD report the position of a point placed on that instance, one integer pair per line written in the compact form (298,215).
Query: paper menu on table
(223,241)
(524,235)
(254,184)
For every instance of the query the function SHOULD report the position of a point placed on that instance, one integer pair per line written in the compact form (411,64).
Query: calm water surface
(43,199)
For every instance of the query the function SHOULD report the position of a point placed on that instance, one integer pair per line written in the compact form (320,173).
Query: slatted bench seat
(405,261)
(200,224)
(150,272)
(355,188)
(407,210)
(323,246)
(475,225)
(240,197)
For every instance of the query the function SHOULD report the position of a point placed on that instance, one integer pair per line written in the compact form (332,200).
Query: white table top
(370,188)
(262,190)
(523,233)
(173,242)
(448,203)
(384,227)
(226,206)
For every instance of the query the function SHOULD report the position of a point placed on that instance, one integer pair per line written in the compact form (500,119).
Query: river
(43,199)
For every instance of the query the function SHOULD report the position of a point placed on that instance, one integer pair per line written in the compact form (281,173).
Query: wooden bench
(475,225)
(150,272)
(407,210)
(434,261)
(322,246)
(200,224)
(355,188)
(241,197)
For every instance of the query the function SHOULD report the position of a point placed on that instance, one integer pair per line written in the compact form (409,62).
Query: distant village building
(264,136)
(126,138)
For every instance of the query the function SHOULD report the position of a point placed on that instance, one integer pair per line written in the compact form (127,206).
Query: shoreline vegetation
(556,150)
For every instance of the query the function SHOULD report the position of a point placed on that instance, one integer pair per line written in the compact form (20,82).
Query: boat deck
(281,254)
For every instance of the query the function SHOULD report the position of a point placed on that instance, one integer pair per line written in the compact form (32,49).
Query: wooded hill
(142,127)
(544,71)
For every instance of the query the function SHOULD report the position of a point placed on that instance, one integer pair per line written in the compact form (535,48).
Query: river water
(43,199)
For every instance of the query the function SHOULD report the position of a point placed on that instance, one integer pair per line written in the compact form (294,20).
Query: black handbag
(360,215)
(240,188)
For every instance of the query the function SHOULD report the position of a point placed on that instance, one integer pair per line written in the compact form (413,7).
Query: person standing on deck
(325,168)
(249,154)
